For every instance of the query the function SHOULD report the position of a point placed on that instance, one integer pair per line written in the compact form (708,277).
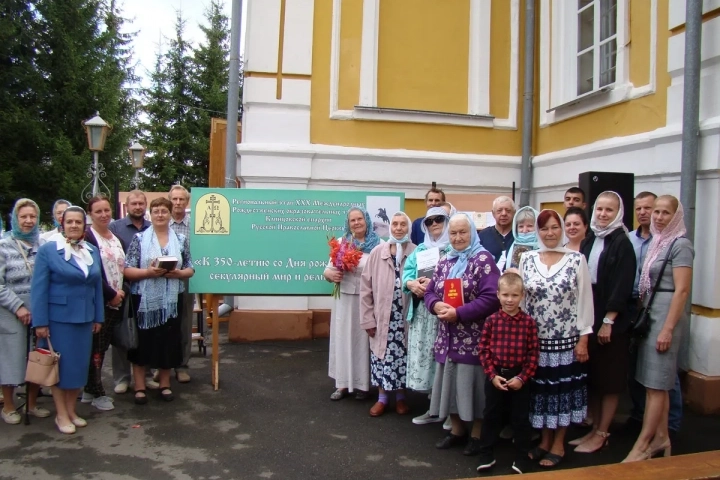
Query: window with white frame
(596,44)
(588,51)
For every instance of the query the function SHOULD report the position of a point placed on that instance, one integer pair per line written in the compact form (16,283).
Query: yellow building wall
(423,64)
(392,135)
(636,116)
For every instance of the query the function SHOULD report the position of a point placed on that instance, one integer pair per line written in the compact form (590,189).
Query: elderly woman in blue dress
(458,389)
(382,312)
(17,257)
(423,324)
(154,293)
(68,307)
(349,356)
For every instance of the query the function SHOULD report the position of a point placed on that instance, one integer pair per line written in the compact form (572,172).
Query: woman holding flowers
(349,362)
(382,309)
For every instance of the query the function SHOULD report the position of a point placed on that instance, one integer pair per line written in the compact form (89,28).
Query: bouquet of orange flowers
(345,257)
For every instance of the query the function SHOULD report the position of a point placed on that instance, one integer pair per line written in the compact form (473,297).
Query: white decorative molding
(479,58)
(369,53)
(298,37)
(478,72)
(262,36)
(676,17)
(557,69)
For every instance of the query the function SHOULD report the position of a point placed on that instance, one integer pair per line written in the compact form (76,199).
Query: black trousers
(100,343)
(497,402)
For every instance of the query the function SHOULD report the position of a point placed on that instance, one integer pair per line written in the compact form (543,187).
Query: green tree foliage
(60,62)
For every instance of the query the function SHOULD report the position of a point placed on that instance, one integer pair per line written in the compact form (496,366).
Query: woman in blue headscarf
(17,259)
(349,356)
(458,389)
(58,209)
(525,237)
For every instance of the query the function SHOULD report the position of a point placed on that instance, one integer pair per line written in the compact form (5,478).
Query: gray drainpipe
(691,112)
(528,104)
(233,96)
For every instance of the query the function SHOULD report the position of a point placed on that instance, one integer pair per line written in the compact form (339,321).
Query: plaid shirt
(182,227)
(509,341)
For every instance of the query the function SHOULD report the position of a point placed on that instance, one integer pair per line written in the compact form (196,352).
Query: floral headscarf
(371,238)
(660,241)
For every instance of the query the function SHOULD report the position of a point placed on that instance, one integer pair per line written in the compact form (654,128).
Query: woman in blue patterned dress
(382,314)
(558,296)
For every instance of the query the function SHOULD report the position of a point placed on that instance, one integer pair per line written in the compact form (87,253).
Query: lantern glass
(97,130)
(137,155)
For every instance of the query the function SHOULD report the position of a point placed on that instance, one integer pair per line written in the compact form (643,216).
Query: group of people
(71,288)
(524,325)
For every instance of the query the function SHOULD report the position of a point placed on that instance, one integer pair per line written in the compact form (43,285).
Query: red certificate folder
(453,292)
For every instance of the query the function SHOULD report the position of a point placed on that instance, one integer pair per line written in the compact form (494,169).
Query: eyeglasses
(436,219)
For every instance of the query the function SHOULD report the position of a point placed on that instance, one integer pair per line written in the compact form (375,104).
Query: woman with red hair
(559,297)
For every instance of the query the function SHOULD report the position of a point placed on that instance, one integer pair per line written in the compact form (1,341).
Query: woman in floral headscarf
(612,264)
(458,389)
(657,354)
(382,309)
(349,356)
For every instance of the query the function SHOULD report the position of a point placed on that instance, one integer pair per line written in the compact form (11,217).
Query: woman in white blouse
(559,297)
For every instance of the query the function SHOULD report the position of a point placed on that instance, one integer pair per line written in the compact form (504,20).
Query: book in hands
(453,292)
(427,260)
(166,263)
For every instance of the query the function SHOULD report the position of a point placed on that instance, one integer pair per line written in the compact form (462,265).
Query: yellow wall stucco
(423,60)
(392,135)
(636,116)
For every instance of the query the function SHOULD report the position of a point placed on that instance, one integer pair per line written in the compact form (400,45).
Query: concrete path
(272,418)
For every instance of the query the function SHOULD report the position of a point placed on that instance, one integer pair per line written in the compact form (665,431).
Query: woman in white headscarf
(612,263)
(423,324)
(558,296)
(382,314)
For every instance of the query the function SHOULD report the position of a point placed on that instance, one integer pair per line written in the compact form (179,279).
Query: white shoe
(79,422)
(104,403)
(151,384)
(426,418)
(11,418)
(86,398)
(39,412)
(448,424)
(121,387)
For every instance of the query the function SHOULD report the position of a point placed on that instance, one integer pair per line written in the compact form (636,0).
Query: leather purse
(640,326)
(43,366)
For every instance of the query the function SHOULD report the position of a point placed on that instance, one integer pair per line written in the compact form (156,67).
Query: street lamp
(97,131)
(137,155)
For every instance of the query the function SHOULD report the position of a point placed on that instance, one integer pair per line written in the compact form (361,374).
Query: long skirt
(13,348)
(459,389)
(558,391)
(389,373)
(161,346)
(420,357)
(73,341)
(349,356)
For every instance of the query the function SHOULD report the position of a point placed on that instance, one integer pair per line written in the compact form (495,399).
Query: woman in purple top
(459,379)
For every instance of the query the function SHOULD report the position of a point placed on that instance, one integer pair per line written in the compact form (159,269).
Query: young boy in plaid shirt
(509,355)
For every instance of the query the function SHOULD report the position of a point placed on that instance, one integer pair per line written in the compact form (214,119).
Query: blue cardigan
(62,293)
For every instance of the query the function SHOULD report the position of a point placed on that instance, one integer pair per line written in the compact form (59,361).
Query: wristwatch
(608,321)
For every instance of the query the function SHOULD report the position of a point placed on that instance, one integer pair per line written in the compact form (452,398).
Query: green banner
(273,242)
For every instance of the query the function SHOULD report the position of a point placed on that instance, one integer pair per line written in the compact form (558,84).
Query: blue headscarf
(33,235)
(371,238)
(464,255)
(55,222)
(525,239)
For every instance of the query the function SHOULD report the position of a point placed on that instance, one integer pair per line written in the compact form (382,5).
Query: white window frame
(565,51)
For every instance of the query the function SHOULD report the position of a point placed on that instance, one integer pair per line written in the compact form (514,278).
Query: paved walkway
(271,419)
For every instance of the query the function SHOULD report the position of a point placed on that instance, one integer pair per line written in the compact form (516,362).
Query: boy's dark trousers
(496,401)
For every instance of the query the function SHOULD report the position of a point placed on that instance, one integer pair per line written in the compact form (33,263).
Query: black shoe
(486,461)
(140,399)
(166,394)
(472,448)
(521,466)
(450,441)
(361,395)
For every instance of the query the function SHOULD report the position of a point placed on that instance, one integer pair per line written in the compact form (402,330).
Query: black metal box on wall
(594,183)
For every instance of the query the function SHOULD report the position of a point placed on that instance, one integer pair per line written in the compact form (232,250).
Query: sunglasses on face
(436,219)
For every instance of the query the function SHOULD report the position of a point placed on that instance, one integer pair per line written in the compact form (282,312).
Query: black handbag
(640,326)
(125,334)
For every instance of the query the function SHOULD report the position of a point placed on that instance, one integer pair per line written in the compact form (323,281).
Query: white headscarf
(561,241)
(602,232)
(400,241)
(444,239)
